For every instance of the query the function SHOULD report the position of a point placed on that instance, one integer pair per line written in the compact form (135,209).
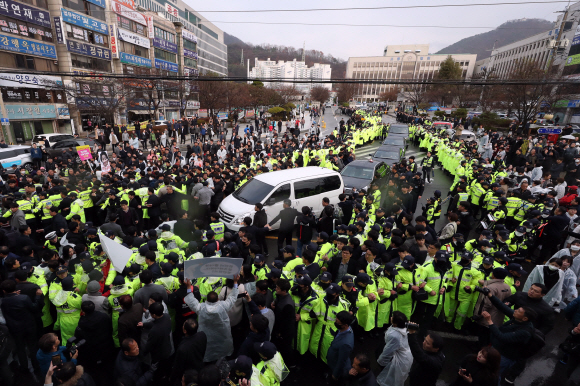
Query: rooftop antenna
(304,52)
(242,58)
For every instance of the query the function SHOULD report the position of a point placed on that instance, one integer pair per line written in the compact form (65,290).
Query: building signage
(139,104)
(88,50)
(190,71)
(189,36)
(165,45)
(170,9)
(127,3)
(25,13)
(114,42)
(576,40)
(150,26)
(29,80)
(127,12)
(189,53)
(572,60)
(192,105)
(100,3)
(135,60)
(84,21)
(164,65)
(29,47)
(130,37)
(62,112)
(40,111)
(58,30)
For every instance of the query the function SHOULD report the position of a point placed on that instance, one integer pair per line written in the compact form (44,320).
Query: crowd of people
(367,268)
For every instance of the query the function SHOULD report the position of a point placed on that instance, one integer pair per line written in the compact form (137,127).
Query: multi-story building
(557,50)
(99,37)
(294,70)
(27,45)
(399,62)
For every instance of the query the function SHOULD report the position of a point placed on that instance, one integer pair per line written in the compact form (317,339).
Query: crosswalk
(364,151)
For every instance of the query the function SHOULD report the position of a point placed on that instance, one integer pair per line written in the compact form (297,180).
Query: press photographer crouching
(49,348)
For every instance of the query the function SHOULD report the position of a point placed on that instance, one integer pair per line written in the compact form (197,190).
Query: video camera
(482,290)
(72,346)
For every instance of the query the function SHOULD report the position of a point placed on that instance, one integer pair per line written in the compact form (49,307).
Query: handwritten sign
(212,267)
(84,152)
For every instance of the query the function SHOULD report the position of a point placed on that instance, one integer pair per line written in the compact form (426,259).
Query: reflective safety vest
(427,162)
(512,205)
(462,197)
(219,229)
(522,210)
(24,206)
(85,196)
(492,203)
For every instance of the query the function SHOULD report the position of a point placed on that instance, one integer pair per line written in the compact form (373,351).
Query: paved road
(541,370)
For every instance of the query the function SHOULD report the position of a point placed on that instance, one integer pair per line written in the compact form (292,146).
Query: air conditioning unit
(564,43)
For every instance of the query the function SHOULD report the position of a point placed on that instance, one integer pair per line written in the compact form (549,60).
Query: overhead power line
(473,82)
(387,7)
(364,25)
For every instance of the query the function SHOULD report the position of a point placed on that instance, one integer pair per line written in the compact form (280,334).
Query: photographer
(428,358)
(49,346)
(498,288)
(479,370)
(512,337)
(68,374)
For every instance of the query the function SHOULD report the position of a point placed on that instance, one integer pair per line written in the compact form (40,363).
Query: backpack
(535,344)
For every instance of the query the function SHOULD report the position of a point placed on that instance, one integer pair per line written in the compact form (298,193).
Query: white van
(15,155)
(303,186)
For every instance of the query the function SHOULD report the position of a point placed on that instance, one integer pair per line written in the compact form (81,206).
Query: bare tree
(289,93)
(390,95)
(319,94)
(416,93)
(346,92)
(524,99)
(212,94)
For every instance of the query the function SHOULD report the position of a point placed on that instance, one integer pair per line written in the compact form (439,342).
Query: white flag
(118,254)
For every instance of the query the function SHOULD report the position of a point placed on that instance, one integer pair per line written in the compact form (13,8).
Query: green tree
(459,113)
(449,69)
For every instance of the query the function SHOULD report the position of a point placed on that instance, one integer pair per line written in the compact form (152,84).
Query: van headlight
(240,219)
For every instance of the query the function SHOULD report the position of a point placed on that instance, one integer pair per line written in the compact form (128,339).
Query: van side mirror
(271,201)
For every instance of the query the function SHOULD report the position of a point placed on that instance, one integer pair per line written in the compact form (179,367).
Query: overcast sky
(343,41)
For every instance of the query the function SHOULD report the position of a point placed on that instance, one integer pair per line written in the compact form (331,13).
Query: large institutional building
(81,37)
(399,62)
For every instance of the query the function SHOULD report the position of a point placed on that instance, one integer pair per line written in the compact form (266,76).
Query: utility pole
(5,115)
(304,52)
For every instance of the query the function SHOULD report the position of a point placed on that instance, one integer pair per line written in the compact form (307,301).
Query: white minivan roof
(274,178)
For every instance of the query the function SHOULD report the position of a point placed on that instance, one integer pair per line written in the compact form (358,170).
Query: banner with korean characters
(25,13)
(135,60)
(84,21)
(29,47)
(189,36)
(127,12)
(165,45)
(114,42)
(59,30)
(100,3)
(41,111)
(165,65)
(189,53)
(127,3)
(130,37)
(88,50)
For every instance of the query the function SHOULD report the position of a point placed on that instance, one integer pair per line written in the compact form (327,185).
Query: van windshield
(253,191)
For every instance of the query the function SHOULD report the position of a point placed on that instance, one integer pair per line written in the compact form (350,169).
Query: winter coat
(396,358)
(554,295)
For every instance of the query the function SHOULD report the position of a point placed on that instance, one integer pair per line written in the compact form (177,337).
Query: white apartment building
(399,62)
(294,70)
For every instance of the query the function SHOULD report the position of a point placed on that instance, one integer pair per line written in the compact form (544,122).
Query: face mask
(487,250)
(545,215)
(338,326)
(324,286)
(519,234)
(459,244)
(552,268)
(529,229)
(549,207)
(330,298)
(464,261)
(575,247)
